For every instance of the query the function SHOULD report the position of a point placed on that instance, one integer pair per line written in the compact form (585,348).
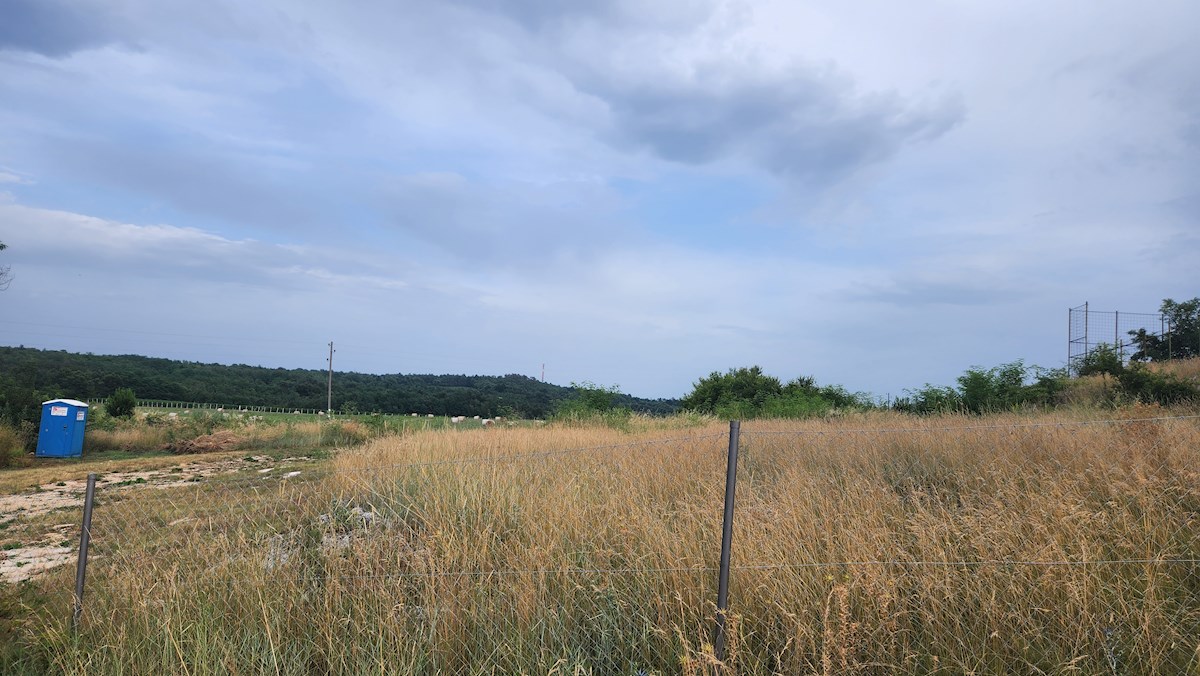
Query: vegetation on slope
(85,376)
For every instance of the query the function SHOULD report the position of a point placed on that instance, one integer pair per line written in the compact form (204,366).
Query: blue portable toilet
(63,424)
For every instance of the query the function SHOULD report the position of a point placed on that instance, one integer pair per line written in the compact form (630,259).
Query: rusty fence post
(85,536)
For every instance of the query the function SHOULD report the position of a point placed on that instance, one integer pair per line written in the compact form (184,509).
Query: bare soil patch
(28,549)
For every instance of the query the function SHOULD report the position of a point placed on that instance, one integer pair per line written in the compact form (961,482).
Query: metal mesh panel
(1089,329)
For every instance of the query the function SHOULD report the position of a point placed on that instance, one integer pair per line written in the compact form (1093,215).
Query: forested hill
(86,376)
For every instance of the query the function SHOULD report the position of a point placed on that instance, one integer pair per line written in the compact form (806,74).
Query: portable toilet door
(64,422)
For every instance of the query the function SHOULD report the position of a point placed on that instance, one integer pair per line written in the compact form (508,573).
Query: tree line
(33,375)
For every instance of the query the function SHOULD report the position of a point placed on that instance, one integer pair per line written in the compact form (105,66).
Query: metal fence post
(726,542)
(1086,347)
(85,536)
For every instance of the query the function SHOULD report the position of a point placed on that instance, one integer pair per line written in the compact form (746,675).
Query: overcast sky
(634,193)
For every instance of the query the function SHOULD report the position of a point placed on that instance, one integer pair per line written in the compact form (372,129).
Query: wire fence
(189,406)
(1090,329)
(1015,547)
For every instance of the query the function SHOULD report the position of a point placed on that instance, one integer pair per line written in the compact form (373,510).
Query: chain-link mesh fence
(1089,329)
(903,546)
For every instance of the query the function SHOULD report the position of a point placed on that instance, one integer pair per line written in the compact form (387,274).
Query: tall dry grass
(1187,370)
(872,544)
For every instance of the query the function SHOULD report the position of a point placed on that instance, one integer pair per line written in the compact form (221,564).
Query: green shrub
(11,446)
(343,433)
(1135,382)
(1140,383)
(745,393)
(1002,388)
(1103,359)
(592,404)
(741,390)
(929,399)
(121,404)
(21,410)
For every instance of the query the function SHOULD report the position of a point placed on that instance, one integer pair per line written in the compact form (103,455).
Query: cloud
(9,176)
(54,28)
(918,291)
(634,192)
(194,181)
(103,248)
(544,14)
(800,123)
(503,223)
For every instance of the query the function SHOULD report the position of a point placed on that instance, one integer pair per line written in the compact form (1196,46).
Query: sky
(876,194)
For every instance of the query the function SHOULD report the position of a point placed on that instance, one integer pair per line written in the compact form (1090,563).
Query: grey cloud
(64,241)
(917,293)
(52,28)
(501,223)
(194,182)
(543,14)
(168,256)
(800,123)
(1185,206)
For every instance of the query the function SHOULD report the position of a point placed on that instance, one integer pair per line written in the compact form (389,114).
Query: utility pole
(329,392)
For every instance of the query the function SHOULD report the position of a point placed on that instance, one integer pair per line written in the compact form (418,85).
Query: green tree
(5,271)
(121,403)
(734,388)
(995,389)
(1180,341)
(750,393)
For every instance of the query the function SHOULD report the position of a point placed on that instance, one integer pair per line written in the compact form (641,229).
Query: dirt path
(27,550)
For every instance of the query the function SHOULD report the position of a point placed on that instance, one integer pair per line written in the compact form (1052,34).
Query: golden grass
(872,544)
(133,438)
(1185,369)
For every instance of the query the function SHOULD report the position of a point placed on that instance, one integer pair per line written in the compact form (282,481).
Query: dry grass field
(866,544)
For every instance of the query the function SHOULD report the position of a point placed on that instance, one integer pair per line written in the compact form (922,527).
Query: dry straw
(872,544)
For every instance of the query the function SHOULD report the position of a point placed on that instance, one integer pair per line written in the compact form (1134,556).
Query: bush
(11,446)
(593,403)
(1136,382)
(121,404)
(929,399)
(1002,388)
(1140,383)
(1103,359)
(749,393)
(21,410)
(737,389)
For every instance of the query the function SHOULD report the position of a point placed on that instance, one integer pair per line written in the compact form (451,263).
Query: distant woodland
(31,373)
